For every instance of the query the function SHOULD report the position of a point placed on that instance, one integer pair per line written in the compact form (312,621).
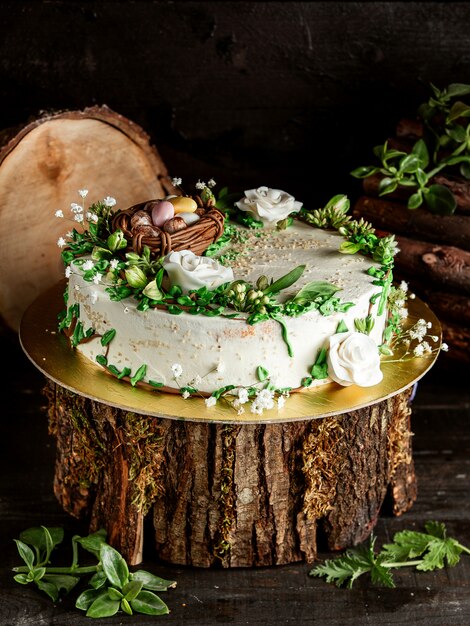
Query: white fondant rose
(268,205)
(353,359)
(190,271)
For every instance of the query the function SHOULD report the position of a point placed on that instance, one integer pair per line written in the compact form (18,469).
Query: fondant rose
(190,271)
(268,205)
(353,359)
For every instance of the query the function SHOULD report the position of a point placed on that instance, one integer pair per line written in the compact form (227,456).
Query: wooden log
(459,187)
(395,217)
(444,266)
(230,495)
(42,167)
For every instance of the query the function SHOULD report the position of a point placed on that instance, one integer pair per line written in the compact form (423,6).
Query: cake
(251,299)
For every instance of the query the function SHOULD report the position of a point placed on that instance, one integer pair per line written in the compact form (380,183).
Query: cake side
(215,352)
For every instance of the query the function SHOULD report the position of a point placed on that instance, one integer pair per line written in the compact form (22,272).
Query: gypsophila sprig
(113,587)
(424,551)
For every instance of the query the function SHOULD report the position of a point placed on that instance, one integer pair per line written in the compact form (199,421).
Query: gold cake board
(51,353)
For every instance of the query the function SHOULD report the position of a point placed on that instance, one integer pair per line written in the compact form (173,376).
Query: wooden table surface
(281,595)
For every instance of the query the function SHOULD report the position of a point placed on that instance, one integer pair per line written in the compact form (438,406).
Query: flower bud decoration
(152,291)
(136,277)
(117,241)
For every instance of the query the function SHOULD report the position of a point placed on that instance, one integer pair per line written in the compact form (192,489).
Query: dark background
(288,94)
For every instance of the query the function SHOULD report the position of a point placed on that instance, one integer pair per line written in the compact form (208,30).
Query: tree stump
(230,495)
(42,167)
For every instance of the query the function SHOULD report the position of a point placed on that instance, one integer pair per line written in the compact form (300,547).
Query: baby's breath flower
(200,185)
(197,380)
(418,350)
(445,347)
(88,265)
(403,312)
(83,192)
(185,394)
(177,370)
(242,395)
(113,264)
(220,367)
(240,410)
(210,401)
(61,242)
(404,286)
(97,278)
(76,208)
(211,183)
(59,213)
(109,201)
(281,402)
(68,271)
(176,182)
(78,217)
(94,297)
(92,217)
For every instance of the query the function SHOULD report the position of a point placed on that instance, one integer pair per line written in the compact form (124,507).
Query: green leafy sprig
(112,587)
(444,145)
(425,551)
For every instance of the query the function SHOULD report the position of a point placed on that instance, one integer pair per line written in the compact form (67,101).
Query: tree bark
(395,217)
(42,167)
(230,495)
(444,266)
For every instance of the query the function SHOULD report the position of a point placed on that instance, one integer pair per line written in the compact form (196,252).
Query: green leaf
(313,290)
(139,375)
(93,542)
(98,580)
(262,373)
(114,593)
(103,606)
(87,597)
(132,589)
(410,163)
(36,536)
(152,582)
(420,149)
(355,562)
(415,200)
(25,553)
(63,582)
(348,247)
(49,588)
(114,566)
(342,328)
(285,281)
(152,291)
(149,604)
(364,171)
(455,90)
(108,337)
(126,607)
(457,133)
(387,185)
(457,110)
(23,579)
(440,200)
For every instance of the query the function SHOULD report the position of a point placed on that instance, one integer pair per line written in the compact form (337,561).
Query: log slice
(42,167)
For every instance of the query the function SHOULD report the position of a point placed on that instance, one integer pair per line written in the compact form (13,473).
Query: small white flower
(78,217)
(185,394)
(61,242)
(210,401)
(59,213)
(94,297)
(68,271)
(418,350)
(114,263)
(281,402)
(220,367)
(177,370)
(426,347)
(429,324)
(83,193)
(404,286)
(412,296)
(242,395)
(255,408)
(445,347)
(92,217)
(176,182)
(97,278)
(197,380)
(88,265)
(200,185)
(435,338)
(211,183)
(403,312)
(109,201)
(76,208)
(240,411)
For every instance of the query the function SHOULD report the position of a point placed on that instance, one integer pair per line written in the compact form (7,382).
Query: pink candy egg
(161,212)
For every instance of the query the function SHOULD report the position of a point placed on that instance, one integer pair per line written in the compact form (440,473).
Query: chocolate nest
(138,229)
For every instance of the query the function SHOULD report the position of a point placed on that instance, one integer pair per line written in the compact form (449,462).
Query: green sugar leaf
(342,328)
(262,373)
(312,291)
(139,375)
(108,337)
(285,281)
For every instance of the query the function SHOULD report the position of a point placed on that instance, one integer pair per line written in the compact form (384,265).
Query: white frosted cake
(273,303)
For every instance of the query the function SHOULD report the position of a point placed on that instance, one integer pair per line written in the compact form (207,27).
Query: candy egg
(189,218)
(161,212)
(183,204)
